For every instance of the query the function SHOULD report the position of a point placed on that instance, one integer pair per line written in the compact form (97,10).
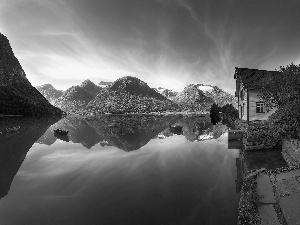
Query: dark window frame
(260,107)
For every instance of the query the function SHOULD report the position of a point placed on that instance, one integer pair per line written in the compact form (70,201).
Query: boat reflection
(62,137)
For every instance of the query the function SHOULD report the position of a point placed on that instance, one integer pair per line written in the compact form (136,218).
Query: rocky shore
(269,194)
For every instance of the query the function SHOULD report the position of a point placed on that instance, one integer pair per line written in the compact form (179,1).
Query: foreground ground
(271,189)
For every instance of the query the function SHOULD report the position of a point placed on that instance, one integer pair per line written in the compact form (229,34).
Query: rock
(18,96)
(49,92)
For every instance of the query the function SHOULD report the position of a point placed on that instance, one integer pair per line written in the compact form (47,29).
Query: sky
(166,43)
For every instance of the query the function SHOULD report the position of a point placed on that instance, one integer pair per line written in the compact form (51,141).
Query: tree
(229,110)
(215,109)
(282,90)
(282,87)
(215,113)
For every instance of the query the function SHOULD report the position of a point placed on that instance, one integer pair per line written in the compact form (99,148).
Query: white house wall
(253,98)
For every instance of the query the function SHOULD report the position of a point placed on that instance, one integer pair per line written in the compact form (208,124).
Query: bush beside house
(282,92)
(259,136)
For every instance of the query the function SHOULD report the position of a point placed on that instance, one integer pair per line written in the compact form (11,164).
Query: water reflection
(62,137)
(14,146)
(124,132)
(131,132)
(170,179)
(195,128)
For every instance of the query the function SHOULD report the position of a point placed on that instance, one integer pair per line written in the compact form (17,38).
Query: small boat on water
(12,129)
(61,132)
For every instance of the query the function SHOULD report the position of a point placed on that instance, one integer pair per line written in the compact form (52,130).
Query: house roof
(252,78)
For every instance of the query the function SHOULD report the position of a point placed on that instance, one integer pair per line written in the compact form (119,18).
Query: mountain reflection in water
(130,132)
(14,146)
(169,179)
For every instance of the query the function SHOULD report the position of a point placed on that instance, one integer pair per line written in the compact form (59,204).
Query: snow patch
(205,88)
(160,89)
(206,136)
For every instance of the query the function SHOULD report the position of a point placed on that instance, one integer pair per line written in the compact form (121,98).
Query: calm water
(117,170)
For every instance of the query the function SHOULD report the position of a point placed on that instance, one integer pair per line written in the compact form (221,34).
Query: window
(259,107)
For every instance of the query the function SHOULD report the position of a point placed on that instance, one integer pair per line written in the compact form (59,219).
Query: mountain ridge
(132,95)
(49,92)
(18,96)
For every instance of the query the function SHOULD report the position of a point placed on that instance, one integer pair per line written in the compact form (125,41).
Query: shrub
(286,120)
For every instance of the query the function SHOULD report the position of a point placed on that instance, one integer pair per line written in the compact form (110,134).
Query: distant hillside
(90,88)
(18,96)
(132,95)
(128,95)
(49,92)
(199,97)
(220,97)
(76,98)
(166,92)
(193,99)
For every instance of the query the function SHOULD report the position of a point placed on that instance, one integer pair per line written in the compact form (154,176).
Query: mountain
(199,97)
(219,96)
(159,89)
(49,92)
(104,84)
(75,99)
(90,88)
(166,92)
(170,94)
(129,95)
(193,99)
(18,96)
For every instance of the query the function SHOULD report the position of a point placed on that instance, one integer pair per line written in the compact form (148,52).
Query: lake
(129,169)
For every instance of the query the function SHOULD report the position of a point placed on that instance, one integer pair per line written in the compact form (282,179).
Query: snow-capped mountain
(104,84)
(49,92)
(205,88)
(199,97)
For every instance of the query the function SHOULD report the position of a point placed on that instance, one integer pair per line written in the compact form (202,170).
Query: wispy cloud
(167,43)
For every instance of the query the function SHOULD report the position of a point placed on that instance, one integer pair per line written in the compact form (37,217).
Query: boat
(61,132)
(12,129)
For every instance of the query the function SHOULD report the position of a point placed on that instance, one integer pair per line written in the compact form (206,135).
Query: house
(248,84)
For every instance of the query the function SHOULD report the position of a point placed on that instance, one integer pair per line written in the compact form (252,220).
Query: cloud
(170,43)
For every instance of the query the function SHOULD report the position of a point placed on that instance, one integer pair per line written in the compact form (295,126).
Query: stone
(265,189)
(290,207)
(287,175)
(287,187)
(268,215)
